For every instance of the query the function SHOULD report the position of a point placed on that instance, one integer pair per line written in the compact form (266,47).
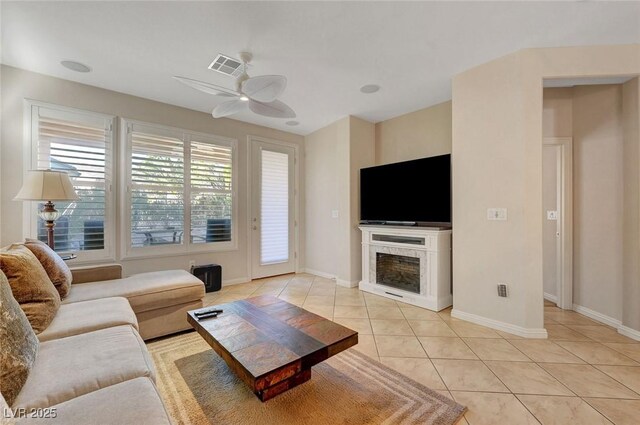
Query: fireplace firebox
(398,271)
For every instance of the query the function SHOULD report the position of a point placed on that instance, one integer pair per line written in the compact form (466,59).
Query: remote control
(207,316)
(202,312)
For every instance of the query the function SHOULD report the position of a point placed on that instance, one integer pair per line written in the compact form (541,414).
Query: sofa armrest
(96,273)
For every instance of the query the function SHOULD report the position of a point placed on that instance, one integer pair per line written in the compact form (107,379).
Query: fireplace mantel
(422,253)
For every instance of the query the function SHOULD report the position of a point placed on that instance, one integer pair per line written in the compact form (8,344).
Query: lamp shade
(46,185)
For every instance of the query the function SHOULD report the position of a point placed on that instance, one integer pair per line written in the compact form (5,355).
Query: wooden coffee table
(271,344)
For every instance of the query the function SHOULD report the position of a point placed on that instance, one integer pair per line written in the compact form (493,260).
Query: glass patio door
(272,219)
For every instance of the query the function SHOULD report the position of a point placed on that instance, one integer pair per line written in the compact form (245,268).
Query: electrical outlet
(502,290)
(192,263)
(552,215)
(497,214)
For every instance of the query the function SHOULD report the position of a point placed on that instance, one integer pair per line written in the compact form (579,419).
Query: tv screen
(418,190)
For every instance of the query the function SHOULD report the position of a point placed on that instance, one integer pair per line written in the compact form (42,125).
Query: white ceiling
(327,50)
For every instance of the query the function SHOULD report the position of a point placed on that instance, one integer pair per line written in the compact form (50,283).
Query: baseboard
(598,317)
(319,273)
(550,297)
(235,281)
(347,283)
(501,326)
(609,321)
(629,332)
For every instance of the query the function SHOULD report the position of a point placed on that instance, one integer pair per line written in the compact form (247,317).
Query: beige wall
(419,134)
(631,241)
(489,168)
(557,112)
(325,156)
(592,115)
(334,156)
(18,85)
(598,198)
(497,162)
(362,154)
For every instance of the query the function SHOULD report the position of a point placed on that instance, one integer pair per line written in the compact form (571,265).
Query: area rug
(350,388)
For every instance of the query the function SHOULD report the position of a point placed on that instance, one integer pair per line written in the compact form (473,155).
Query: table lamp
(47,185)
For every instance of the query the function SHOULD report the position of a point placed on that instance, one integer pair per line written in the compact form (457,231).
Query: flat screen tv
(412,191)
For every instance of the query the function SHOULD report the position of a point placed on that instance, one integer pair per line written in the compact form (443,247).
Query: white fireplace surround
(432,246)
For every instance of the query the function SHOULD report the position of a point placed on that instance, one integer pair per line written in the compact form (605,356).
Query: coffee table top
(265,338)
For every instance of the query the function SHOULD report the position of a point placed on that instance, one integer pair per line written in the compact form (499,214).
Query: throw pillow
(19,344)
(53,264)
(30,285)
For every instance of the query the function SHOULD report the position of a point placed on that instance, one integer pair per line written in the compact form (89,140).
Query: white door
(273,206)
(551,223)
(557,204)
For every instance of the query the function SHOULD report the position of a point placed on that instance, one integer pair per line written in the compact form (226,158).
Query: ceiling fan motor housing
(241,78)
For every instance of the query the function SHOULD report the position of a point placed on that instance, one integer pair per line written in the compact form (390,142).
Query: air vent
(227,65)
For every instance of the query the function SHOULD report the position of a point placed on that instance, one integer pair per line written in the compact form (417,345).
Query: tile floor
(585,373)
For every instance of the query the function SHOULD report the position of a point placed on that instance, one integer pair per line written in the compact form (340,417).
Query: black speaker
(210,275)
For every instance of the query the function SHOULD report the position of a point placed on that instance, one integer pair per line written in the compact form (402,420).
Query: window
(157,189)
(180,191)
(79,143)
(211,192)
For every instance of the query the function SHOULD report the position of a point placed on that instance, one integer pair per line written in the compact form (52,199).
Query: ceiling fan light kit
(258,94)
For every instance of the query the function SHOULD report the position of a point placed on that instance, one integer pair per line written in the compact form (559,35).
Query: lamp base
(49,215)
(50,224)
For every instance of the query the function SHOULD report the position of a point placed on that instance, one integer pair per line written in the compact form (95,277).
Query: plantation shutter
(81,146)
(211,192)
(157,189)
(274,200)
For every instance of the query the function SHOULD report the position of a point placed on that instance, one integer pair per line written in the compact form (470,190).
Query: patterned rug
(350,388)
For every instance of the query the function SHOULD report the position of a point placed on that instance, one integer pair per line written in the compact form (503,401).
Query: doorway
(557,204)
(273,208)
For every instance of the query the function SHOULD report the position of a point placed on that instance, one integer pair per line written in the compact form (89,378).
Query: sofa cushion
(53,264)
(18,344)
(145,291)
(30,285)
(86,316)
(131,402)
(70,367)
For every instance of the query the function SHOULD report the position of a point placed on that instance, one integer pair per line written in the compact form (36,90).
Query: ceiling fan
(259,94)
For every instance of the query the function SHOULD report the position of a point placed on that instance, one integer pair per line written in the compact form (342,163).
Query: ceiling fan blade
(207,87)
(265,88)
(229,108)
(275,109)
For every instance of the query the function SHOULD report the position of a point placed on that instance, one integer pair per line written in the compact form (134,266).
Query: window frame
(30,208)
(186,136)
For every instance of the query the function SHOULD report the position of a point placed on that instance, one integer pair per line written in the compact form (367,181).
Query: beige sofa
(92,365)
(160,300)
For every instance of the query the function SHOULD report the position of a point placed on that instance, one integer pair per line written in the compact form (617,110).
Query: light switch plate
(334,214)
(552,215)
(497,214)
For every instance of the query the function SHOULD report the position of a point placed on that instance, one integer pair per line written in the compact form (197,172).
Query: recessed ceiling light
(244,98)
(292,123)
(370,88)
(76,66)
